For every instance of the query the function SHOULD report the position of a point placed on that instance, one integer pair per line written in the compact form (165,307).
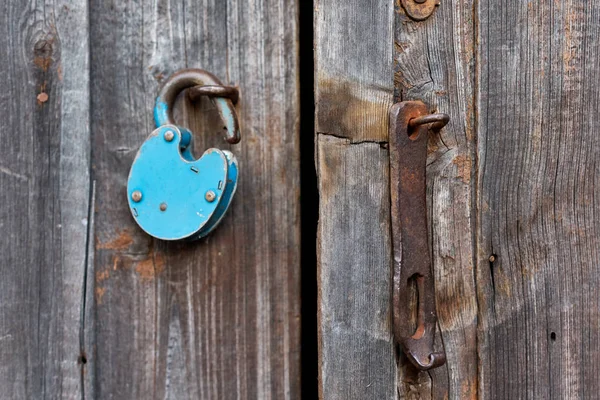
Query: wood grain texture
(434,63)
(538,172)
(357,357)
(44,181)
(513,176)
(218,318)
(354,90)
(353,56)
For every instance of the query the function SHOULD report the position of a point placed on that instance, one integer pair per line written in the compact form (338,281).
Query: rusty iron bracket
(410,122)
(420,10)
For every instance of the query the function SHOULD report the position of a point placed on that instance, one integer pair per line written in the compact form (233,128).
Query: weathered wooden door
(512,191)
(92,307)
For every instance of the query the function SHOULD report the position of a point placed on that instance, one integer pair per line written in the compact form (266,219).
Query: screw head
(420,1)
(169,135)
(136,196)
(210,196)
(163,206)
(492,258)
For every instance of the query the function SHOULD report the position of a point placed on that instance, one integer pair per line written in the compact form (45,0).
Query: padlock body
(172,196)
(230,188)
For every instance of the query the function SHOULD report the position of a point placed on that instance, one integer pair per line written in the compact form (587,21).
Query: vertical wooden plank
(538,170)
(44,176)
(354,90)
(434,63)
(218,318)
(353,62)
(357,357)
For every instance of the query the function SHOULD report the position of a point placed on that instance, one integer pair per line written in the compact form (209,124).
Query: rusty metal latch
(410,122)
(420,10)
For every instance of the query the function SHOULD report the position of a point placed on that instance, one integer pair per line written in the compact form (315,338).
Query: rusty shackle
(200,83)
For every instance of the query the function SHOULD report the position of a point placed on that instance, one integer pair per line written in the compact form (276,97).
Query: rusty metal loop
(420,10)
(192,78)
(437,121)
(229,92)
(434,360)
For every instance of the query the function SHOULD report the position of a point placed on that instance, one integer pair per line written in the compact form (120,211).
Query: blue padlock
(172,195)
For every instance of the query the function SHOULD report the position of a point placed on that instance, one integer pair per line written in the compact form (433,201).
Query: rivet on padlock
(173,196)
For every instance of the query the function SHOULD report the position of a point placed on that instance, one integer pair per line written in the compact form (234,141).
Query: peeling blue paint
(161,113)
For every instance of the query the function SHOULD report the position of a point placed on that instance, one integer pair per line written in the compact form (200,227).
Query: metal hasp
(410,122)
(420,10)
